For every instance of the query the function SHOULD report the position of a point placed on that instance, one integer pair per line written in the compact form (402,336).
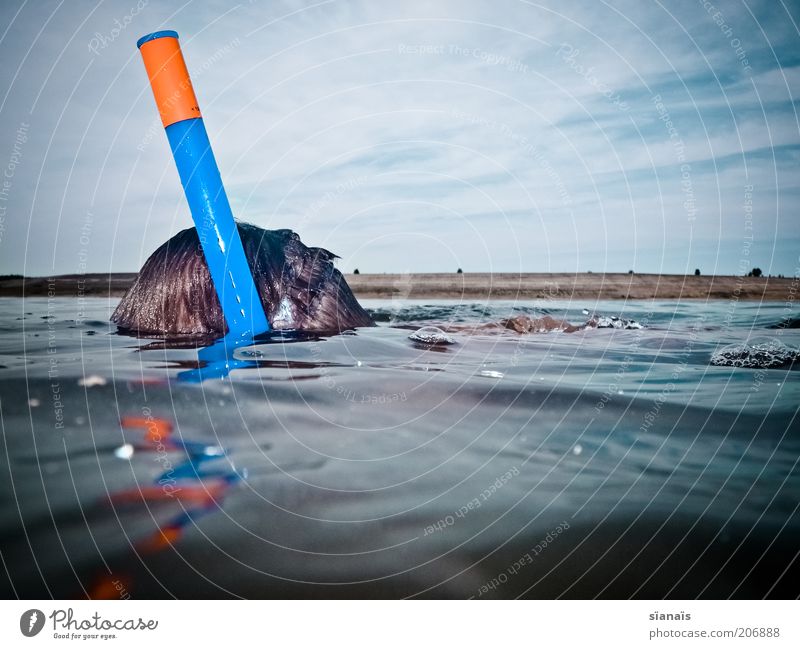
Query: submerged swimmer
(299,288)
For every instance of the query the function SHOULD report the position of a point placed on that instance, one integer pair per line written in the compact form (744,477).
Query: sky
(498,136)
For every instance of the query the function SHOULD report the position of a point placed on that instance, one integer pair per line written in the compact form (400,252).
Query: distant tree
(459,271)
(756,272)
(697,272)
(630,272)
(355,272)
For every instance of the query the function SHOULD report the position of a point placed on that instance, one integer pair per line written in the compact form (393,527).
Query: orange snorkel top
(169,77)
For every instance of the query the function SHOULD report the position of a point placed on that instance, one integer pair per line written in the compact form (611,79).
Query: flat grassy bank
(472,286)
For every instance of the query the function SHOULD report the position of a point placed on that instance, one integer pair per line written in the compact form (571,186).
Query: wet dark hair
(298,286)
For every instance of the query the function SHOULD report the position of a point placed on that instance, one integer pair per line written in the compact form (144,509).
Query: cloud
(414,136)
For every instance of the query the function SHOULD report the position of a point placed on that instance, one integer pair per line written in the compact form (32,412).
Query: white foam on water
(432,336)
(758,353)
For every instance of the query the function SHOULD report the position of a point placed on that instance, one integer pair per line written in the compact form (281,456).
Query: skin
(520,324)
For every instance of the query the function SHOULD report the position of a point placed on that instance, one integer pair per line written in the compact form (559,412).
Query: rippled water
(602,463)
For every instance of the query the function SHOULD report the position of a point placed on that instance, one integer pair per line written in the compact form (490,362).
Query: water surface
(604,463)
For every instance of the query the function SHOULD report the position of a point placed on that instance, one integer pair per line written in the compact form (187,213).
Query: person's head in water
(298,286)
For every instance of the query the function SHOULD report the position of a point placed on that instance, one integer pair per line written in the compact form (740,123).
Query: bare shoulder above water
(473,286)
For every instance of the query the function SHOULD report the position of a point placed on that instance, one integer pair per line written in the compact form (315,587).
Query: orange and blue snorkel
(202,184)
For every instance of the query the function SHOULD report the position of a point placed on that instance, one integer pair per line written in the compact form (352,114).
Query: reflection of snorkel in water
(198,490)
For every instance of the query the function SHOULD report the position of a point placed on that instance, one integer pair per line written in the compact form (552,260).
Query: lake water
(605,463)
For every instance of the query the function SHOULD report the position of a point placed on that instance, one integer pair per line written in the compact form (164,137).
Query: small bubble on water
(491,374)
(431,336)
(91,381)
(124,452)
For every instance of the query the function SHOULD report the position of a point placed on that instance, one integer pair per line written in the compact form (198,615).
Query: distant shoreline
(473,286)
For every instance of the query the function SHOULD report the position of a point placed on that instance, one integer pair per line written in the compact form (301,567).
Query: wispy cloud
(415,136)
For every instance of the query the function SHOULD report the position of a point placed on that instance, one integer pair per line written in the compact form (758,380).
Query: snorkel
(202,184)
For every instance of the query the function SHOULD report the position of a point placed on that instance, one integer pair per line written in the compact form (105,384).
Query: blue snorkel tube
(200,177)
